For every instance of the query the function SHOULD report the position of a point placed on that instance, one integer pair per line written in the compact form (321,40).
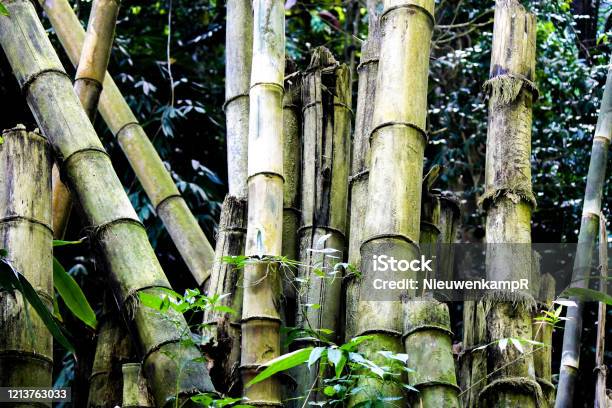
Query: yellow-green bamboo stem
(542,332)
(601,398)
(238,56)
(360,162)
(26,346)
(326,143)
(508,201)
(135,390)
(397,145)
(180,223)
(591,208)
(113,347)
(222,333)
(262,285)
(118,234)
(88,86)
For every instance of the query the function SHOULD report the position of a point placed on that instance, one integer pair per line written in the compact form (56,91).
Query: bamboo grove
(325,173)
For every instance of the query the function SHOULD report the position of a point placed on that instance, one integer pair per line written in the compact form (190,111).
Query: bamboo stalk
(118,234)
(222,333)
(589,225)
(113,348)
(135,391)
(26,348)
(397,144)
(508,201)
(324,193)
(543,332)
(360,161)
(169,205)
(262,286)
(473,368)
(601,397)
(88,86)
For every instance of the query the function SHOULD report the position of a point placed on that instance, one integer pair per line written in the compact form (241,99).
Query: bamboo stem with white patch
(397,144)
(150,170)
(589,226)
(508,201)
(115,229)
(26,346)
(262,285)
(324,192)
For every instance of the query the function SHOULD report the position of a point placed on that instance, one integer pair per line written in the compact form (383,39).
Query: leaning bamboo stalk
(397,145)
(601,397)
(169,205)
(222,330)
(262,286)
(360,161)
(116,231)
(589,225)
(324,191)
(90,74)
(508,201)
(26,346)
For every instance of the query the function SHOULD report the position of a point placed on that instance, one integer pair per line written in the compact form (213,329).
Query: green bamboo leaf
(587,295)
(282,363)
(60,243)
(315,355)
(4,12)
(72,295)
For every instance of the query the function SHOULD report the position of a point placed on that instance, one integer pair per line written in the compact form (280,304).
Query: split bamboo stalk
(238,57)
(326,144)
(360,162)
(26,346)
(88,86)
(589,225)
(397,144)
(508,201)
(118,234)
(169,205)
(222,330)
(113,347)
(262,286)
(135,391)
(542,332)
(601,397)
(292,159)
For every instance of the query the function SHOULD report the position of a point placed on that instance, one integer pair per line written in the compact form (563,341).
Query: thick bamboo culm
(473,361)
(601,397)
(292,159)
(542,332)
(589,226)
(508,201)
(169,205)
(223,329)
(26,352)
(113,347)
(238,57)
(324,192)
(88,86)
(113,222)
(135,391)
(397,144)
(360,161)
(262,285)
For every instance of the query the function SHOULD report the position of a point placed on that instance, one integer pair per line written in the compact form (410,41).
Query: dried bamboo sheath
(133,268)
(26,346)
(589,226)
(508,200)
(262,287)
(324,190)
(182,226)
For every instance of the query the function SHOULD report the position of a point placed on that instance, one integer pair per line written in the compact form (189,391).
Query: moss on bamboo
(509,202)
(133,268)
(135,390)
(324,192)
(181,224)
(26,353)
(262,285)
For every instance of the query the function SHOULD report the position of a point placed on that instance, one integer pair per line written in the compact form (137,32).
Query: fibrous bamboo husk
(115,229)
(150,170)
(26,346)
